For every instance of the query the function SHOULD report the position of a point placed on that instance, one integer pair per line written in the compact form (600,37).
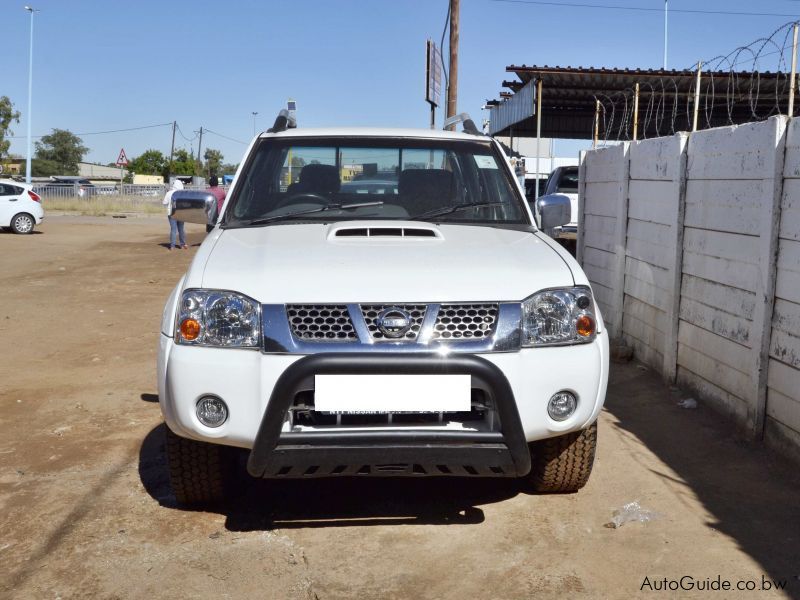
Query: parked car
(20,207)
(564,180)
(68,188)
(107,190)
(530,188)
(432,332)
(369,186)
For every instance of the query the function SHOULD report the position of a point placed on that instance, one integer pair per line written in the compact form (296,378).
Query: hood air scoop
(384,230)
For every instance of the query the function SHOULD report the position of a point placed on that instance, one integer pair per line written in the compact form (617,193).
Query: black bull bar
(501,453)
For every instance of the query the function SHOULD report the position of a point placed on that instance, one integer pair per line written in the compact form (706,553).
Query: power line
(206,130)
(646,9)
(16,137)
(441,45)
(183,136)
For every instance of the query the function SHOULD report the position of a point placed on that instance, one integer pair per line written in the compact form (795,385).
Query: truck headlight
(558,317)
(218,318)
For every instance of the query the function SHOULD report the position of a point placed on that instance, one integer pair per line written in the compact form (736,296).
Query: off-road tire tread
(199,472)
(563,464)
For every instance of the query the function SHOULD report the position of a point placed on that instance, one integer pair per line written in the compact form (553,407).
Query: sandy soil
(86,510)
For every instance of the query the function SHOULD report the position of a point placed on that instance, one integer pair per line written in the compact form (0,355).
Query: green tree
(7,116)
(149,162)
(44,168)
(214,160)
(182,163)
(64,148)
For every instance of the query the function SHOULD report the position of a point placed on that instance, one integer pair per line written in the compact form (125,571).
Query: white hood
(309,263)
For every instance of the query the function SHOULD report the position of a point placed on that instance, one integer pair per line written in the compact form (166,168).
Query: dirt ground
(86,510)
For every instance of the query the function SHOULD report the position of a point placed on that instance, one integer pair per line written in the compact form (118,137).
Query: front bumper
(246,379)
(566,232)
(277,453)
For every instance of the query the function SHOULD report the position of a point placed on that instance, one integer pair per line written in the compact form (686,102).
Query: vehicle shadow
(8,231)
(165,245)
(750,491)
(334,502)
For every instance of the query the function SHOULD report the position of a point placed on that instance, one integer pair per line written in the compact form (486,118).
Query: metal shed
(576,99)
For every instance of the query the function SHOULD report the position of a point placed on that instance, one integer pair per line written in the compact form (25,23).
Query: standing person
(175,226)
(219,194)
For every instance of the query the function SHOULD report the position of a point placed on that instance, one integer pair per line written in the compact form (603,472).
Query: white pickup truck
(564,181)
(419,325)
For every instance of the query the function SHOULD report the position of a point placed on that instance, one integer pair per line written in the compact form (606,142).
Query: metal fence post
(794,70)
(697,96)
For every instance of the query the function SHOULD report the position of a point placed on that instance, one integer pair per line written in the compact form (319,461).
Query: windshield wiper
(309,211)
(446,210)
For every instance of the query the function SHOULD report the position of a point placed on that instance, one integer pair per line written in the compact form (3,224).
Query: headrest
(320,178)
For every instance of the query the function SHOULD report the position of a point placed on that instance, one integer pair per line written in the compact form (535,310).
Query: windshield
(568,183)
(335,179)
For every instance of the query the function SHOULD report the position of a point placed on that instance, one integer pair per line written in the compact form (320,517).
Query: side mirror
(554,210)
(192,206)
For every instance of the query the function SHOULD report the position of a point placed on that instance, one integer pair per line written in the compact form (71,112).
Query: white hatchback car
(20,207)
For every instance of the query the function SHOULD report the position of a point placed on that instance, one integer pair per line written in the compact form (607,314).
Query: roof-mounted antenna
(465,120)
(284,121)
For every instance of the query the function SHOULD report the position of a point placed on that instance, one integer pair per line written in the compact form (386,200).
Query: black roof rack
(465,120)
(283,122)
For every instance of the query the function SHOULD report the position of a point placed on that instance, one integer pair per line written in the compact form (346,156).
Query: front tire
(563,464)
(22,223)
(199,472)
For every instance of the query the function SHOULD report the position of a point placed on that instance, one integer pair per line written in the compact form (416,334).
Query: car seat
(316,179)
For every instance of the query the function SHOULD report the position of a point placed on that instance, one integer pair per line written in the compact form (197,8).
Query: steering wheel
(309,196)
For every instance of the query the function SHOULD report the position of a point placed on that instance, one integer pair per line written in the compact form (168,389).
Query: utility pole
(452,87)
(666,13)
(31,10)
(172,148)
(199,150)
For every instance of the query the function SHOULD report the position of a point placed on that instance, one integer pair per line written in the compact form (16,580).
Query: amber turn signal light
(190,329)
(584,326)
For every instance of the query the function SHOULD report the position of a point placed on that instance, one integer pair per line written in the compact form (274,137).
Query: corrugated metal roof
(569,96)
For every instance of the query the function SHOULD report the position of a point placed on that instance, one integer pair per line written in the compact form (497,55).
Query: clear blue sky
(113,65)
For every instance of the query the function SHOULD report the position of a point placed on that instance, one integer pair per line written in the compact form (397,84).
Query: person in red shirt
(219,193)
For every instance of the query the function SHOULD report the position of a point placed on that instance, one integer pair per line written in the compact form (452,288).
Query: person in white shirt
(176,228)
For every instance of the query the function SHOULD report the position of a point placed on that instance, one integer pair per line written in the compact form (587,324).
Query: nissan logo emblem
(394,322)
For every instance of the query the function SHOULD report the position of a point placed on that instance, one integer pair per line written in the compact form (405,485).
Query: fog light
(212,411)
(562,405)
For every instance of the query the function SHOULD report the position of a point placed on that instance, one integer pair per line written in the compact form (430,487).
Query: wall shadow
(751,492)
(334,502)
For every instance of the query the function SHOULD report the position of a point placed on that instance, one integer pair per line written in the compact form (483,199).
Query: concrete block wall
(733,181)
(653,247)
(696,257)
(782,425)
(601,247)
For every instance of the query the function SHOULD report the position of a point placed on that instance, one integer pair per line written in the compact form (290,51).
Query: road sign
(122,160)
(433,81)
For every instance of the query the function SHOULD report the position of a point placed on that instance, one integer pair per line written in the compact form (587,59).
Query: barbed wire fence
(727,94)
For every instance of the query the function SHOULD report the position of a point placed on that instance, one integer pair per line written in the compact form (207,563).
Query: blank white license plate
(392,393)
